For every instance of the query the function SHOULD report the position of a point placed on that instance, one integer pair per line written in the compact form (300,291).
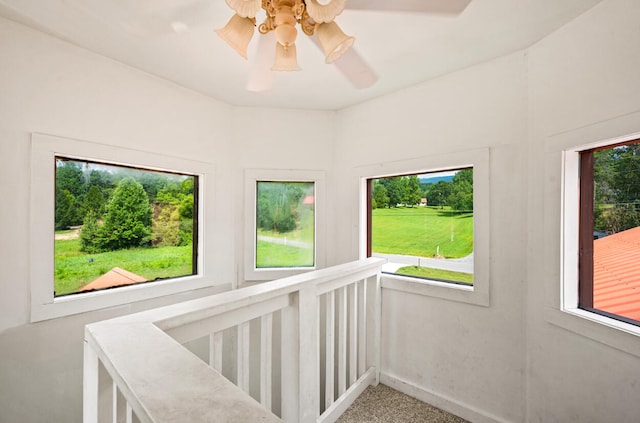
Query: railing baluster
(309,331)
(244,333)
(353,333)
(342,340)
(215,350)
(330,352)
(373,329)
(362,327)
(129,415)
(114,402)
(266,344)
(290,362)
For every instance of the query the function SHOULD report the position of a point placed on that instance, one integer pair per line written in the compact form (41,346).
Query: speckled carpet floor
(382,404)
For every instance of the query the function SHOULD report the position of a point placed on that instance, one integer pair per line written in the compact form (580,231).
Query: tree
(627,173)
(91,234)
(66,211)
(461,197)
(278,205)
(166,226)
(69,191)
(128,216)
(438,194)
(69,177)
(413,193)
(616,176)
(395,190)
(379,196)
(94,200)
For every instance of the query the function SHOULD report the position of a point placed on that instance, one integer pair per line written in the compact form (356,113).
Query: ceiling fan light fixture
(324,10)
(245,8)
(286,34)
(237,33)
(333,41)
(286,58)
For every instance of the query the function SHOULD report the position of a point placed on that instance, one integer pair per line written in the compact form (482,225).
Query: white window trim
(252,177)
(604,329)
(479,293)
(44,149)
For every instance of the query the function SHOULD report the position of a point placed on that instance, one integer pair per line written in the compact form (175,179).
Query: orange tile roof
(616,273)
(114,277)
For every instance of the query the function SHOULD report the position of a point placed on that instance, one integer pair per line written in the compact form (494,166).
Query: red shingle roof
(114,277)
(616,273)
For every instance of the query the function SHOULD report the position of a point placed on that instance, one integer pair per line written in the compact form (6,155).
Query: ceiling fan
(277,22)
(316,18)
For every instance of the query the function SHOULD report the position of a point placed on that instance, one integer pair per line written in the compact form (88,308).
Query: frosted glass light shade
(286,58)
(237,33)
(286,34)
(333,41)
(324,10)
(245,8)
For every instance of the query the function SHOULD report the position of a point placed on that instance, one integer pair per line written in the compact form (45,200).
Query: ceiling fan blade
(261,77)
(353,67)
(443,7)
(356,69)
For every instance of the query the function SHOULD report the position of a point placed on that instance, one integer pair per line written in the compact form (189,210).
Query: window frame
(478,159)
(598,326)
(44,150)
(369,238)
(252,177)
(585,232)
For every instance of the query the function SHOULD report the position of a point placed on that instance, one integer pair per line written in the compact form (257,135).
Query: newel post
(309,336)
(90,385)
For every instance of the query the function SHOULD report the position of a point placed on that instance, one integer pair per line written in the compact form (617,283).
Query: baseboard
(448,404)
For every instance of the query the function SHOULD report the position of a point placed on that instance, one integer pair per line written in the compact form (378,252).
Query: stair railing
(321,330)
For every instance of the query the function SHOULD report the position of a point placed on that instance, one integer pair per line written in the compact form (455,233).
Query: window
(468,224)
(75,186)
(283,223)
(116,226)
(423,224)
(609,233)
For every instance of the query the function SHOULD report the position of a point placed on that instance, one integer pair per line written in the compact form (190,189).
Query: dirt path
(75,233)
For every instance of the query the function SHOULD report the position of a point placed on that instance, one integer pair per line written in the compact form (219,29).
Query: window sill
(435,289)
(614,333)
(96,300)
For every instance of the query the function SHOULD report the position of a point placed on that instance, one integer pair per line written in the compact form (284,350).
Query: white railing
(326,327)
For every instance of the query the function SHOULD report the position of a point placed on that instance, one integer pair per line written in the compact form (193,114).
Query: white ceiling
(403,48)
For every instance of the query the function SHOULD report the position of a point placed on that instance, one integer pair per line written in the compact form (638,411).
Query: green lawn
(438,274)
(74,269)
(274,254)
(270,254)
(422,231)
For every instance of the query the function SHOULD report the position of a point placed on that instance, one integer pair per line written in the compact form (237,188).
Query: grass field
(73,268)
(437,274)
(278,255)
(275,254)
(422,231)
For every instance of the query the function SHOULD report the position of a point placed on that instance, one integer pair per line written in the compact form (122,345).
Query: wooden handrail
(163,382)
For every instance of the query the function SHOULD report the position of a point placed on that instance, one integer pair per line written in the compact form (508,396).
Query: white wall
(583,88)
(508,362)
(461,356)
(504,362)
(52,87)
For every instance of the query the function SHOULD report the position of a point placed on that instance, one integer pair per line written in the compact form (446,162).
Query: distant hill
(435,179)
